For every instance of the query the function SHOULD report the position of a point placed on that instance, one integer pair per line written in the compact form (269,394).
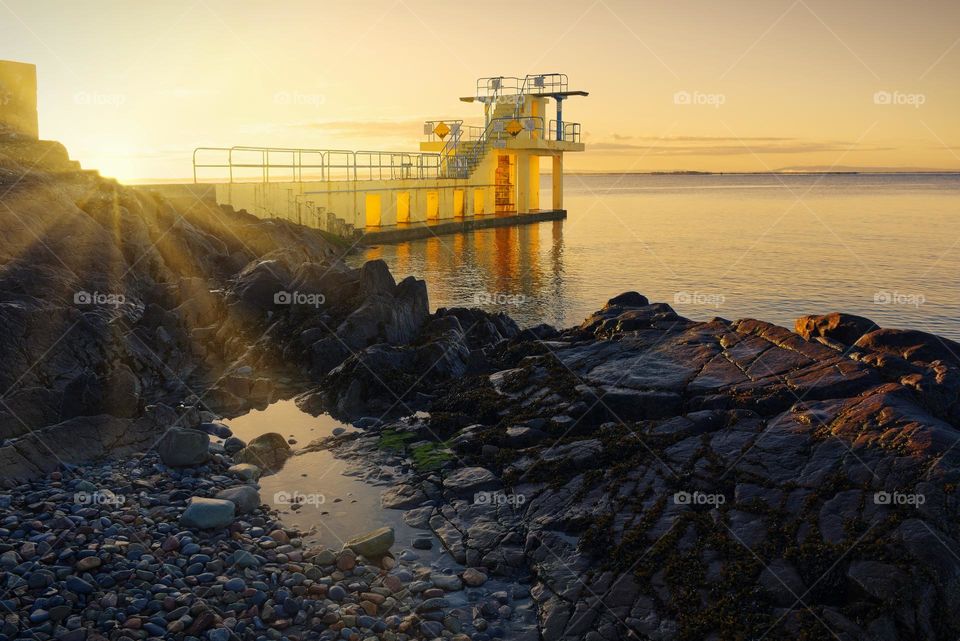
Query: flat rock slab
(468,480)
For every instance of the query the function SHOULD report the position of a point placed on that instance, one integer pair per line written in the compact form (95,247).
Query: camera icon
(682,498)
(882,98)
(882,298)
(281,498)
(282,298)
(82,298)
(682,98)
(282,98)
(882,498)
(482,498)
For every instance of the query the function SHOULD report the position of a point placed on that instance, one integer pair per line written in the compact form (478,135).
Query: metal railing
(495,134)
(571,131)
(282,164)
(538,83)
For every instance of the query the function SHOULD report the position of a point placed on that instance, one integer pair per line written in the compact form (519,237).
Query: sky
(132,87)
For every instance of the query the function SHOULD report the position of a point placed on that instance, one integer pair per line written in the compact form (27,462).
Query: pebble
(473,577)
(235,585)
(423,543)
(131,570)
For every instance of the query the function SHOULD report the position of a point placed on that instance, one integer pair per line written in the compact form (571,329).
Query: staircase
(459,158)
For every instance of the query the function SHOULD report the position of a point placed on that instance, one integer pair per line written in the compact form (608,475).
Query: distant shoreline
(760,173)
(175,181)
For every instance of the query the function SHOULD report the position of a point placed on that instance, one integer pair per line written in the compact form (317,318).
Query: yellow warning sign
(441,130)
(514,127)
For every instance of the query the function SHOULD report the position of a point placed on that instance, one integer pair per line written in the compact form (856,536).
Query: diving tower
(464,175)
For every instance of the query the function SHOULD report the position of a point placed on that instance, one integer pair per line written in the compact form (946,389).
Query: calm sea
(768,247)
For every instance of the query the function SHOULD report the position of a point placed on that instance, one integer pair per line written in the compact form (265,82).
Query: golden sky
(132,87)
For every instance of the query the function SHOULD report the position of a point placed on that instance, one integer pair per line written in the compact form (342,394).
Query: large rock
(267,451)
(375,278)
(245,497)
(843,328)
(208,514)
(184,447)
(245,471)
(372,544)
(912,345)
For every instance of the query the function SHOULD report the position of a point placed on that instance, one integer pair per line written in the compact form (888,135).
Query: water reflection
(518,270)
(768,247)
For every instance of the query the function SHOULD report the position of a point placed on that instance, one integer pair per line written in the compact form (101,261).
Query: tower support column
(558,181)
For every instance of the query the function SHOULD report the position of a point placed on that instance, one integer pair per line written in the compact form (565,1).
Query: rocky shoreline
(641,475)
(140,550)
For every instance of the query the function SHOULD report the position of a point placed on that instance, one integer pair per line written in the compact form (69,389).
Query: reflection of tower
(557,317)
(504,260)
(530,274)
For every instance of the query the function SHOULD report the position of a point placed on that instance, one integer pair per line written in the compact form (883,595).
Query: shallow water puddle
(333,505)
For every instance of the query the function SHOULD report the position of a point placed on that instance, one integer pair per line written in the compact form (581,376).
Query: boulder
(122,392)
(233,445)
(267,451)
(208,514)
(375,278)
(373,544)
(843,328)
(628,299)
(880,580)
(245,497)
(912,345)
(184,447)
(245,471)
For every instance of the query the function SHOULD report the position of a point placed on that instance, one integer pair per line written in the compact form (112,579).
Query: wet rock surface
(656,477)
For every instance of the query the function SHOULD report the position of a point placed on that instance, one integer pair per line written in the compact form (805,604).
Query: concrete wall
(18,99)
